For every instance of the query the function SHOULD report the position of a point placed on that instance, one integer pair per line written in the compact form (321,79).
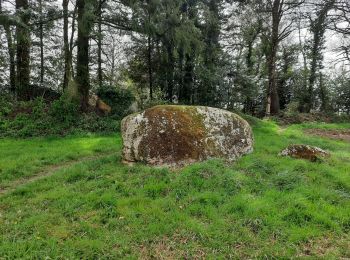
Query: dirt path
(342,135)
(281,129)
(49,171)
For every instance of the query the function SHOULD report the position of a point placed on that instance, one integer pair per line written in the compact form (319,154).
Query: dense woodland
(258,56)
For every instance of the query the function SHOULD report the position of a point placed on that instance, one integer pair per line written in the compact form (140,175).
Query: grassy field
(72,198)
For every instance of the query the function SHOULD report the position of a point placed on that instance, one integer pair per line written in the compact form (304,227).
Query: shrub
(118,99)
(64,111)
(154,102)
(38,108)
(39,118)
(5,105)
(93,123)
(292,109)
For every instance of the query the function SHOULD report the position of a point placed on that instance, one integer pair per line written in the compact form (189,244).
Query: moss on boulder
(179,135)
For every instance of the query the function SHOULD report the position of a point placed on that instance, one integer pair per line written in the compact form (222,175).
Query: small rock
(302,151)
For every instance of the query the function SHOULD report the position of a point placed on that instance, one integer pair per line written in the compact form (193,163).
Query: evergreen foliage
(253,56)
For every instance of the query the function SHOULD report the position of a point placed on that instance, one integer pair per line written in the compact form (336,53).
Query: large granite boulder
(179,135)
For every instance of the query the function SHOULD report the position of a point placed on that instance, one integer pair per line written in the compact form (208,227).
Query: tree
(41,37)
(11,51)
(165,39)
(23,50)
(226,53)
(275,32)
(317,28)
(67,52)
(249,29)
(211,54)
(99,43)
(341,24)
(85,9)
(341,92)
(286,73)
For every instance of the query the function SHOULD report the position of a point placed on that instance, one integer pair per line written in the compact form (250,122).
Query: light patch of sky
(333,57)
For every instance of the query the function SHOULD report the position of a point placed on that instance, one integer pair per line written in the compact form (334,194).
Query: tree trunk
(11,49)
(99,46)
(305,67)
(248,104)
(82,76)
(113,58)
(187,72)
(318,30)
(324,96)
(23,51)
(170,72)
(71,41)
(272,88)
(273,106)
(41,36)
(187,80)
(249,62)
(312,78)
(67,65)
(150,72)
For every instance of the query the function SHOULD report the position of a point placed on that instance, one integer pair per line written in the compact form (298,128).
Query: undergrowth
(39,118)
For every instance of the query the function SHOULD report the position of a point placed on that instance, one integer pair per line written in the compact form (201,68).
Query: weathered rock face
(307,152)
(179,135)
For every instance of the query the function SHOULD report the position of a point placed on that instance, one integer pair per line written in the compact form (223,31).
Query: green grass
(262,206)
(23,158)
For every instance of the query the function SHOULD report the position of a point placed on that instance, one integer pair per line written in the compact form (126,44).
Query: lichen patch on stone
(302,151)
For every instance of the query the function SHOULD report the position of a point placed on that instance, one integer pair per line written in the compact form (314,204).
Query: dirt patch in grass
(326,247)
(343,135)
(173,247)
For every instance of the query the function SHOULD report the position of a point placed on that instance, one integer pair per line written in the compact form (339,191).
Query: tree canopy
(256,56)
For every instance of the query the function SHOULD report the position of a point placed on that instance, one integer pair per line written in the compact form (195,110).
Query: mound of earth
(302,151)
(343,135)
(180,135)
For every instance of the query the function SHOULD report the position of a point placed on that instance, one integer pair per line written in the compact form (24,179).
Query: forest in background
(257,56)
(76,182)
